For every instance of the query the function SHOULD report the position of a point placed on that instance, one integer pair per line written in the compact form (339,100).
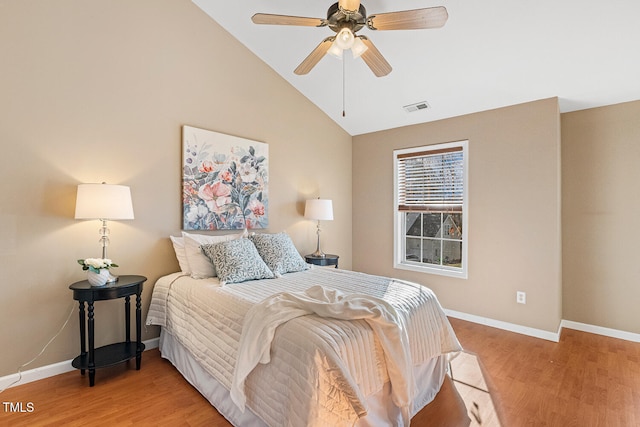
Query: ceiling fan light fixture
(358,47)
(335,50)
(345,39)
(346,18)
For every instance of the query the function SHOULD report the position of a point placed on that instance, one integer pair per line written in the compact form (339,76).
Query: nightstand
(324,261)
(93,358)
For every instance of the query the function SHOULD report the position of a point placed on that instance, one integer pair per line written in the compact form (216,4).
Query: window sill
(459,274)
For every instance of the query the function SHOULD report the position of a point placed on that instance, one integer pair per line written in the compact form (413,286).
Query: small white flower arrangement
(96,264)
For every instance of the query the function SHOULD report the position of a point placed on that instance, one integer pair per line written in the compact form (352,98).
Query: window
(431,209)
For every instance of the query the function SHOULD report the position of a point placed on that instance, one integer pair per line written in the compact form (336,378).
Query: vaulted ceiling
(489,54)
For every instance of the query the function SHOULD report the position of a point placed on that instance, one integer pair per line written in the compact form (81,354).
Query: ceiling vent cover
(411,108)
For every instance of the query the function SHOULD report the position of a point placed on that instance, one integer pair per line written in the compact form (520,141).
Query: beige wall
(600,207)
(514,211)
(98,91)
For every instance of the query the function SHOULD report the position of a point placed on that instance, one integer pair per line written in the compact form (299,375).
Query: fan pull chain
(344,60)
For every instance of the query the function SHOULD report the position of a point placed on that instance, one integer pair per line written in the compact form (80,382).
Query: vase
(98,279)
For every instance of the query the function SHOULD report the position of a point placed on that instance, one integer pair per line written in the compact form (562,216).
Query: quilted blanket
(314,361)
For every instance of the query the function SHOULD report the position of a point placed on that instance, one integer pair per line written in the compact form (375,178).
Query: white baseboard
(600,330)
(538,333)
(53,369)
(511,327)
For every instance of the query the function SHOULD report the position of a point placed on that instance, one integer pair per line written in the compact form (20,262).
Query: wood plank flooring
(584,380)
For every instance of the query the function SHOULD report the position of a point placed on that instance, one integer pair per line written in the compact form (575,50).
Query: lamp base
(319,254)
(112,278)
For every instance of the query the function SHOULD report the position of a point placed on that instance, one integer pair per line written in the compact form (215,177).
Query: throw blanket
(263,319)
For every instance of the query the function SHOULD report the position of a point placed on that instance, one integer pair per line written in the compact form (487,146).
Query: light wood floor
(585,380)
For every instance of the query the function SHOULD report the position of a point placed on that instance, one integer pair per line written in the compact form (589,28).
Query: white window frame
(400,261)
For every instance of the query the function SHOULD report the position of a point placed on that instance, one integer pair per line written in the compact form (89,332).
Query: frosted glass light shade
(103,201)
(358,47)
(345,39)
(335,50)
(319,209)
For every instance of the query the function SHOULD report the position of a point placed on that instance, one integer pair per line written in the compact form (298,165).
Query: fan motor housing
(337,19)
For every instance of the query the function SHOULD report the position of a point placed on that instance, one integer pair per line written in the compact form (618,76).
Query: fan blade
(314,57)
(374,59)
(268,19)
(349,5)
(418,19)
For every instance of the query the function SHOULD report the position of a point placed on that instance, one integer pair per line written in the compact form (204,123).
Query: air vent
(416,107)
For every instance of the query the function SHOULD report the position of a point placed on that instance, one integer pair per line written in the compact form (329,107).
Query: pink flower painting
(225,180)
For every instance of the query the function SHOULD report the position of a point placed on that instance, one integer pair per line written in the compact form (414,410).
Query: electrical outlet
(521,297)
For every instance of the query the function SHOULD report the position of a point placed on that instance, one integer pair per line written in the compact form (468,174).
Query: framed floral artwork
(224,181)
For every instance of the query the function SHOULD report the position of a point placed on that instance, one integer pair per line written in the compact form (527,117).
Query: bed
(321,371)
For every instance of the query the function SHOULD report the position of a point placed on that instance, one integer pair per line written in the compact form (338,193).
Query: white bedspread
(314,361)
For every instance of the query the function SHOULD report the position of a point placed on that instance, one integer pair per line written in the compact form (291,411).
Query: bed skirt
(381,411)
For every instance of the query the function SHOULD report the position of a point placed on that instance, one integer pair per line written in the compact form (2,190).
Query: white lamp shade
(103,201)
(319,209)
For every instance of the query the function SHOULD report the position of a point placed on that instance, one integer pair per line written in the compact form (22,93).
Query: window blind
(431,180)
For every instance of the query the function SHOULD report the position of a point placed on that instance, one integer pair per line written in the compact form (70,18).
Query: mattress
(300,385)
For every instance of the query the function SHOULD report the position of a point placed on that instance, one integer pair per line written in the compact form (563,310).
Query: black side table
(108,355)
(324,261)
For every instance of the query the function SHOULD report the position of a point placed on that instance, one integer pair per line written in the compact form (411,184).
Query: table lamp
(318,210)
(104,202)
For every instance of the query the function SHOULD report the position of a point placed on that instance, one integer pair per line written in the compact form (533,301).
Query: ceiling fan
(346,18)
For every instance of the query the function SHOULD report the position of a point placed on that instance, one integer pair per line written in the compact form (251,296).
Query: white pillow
(200,266)
(181,255)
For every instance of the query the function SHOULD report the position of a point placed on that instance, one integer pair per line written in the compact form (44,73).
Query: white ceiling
(489,54)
